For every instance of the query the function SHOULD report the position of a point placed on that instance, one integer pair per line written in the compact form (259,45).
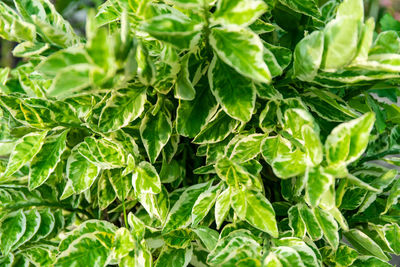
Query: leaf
(24,150)
(81,172)
(105,193)
(365,245)
(88,248)
(202,107)
(33,220)
(45,162)
(145,179)
(13,227)
(310,221)
(318,184)
(124,243)
(203,205)
(222,207)
(392,235)
(217,129)
(228,44)
(247,148)
(179,238)
(329,227)
(183,87)
(296,222)
(47,224)
(103,153)
(179,31)
(253,207)
(155,131)
(349,140)
(235,94)
(180,213)
(394,195)
(124,106)
(308,7)
(174,257)
(13,28)
(288,256)
(341,41)
(308,56)
(236,174)
(239,12)
(366,261)
(208,236)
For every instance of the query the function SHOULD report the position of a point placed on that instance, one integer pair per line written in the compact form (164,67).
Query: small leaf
(365,245)
(13,227)
(329,227)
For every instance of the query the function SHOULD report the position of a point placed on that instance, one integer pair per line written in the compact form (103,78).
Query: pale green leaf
(242,50)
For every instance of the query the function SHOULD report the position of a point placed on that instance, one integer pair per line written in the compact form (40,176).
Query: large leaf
(253,207)
(233,92)
(24,150)
(155,131)
(45,162)
(242,50)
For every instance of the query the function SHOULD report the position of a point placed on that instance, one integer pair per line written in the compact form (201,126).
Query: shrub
(202,133)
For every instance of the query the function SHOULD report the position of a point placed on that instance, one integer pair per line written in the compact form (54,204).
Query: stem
(124,209)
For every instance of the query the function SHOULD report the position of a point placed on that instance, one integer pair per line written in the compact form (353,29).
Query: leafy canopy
(200,133)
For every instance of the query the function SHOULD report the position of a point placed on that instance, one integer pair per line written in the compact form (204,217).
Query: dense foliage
(200,133)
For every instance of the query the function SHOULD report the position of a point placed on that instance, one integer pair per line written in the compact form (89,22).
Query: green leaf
(155,131)
(124,243)
(180,214)
(247,148)
(179,31)
(183,87)
(13,227)
(318,183)
(238,12)
(296,222)
(233,92)
(288,256)
(329,227)
(172,257)
(105,193)
(307,7)
(81,172)
(88,248)
(220,126)
(366,261)
(341,40)
(45,162)
(208,236)
(33,220)
(394,195)
(310,221)
(145,179)
(202,108)
(242,50)
(12,27)
(124,106)
(47,224)
(253,207)
(24,150)
(308,56)
(103,153)
(179,238)
(203,205)
(40,255)
(365,245)
(236,174)
(349,140)
(392,235)
(222,207)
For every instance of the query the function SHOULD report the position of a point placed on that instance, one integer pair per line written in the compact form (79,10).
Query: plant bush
(200,133)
